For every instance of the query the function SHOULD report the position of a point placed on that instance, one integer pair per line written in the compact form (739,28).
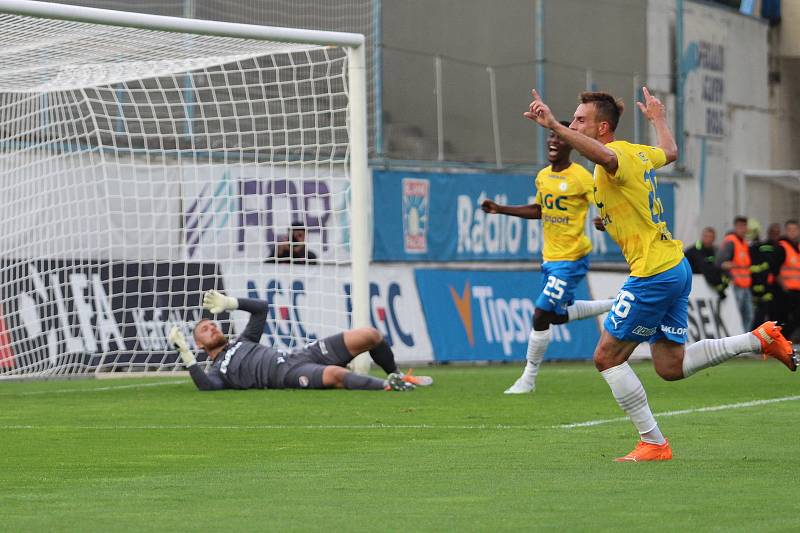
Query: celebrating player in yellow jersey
(563,193)
(652,304)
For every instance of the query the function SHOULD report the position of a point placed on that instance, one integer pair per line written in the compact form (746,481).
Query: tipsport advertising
(486,315)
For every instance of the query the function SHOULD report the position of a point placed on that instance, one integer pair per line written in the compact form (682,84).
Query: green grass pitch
(155,454)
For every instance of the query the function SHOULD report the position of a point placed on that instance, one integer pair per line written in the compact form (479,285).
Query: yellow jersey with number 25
(564,197)
(632,211)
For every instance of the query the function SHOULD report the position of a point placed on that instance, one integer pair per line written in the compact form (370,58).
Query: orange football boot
(645,451)
(419,381)
(774,344)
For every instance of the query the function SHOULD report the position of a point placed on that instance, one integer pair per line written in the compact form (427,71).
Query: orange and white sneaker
(774,344)
(646,451)
(396,382)
(419,381)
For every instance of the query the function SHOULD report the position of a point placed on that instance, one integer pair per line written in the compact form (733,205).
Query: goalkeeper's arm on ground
(200,378)
(216,302)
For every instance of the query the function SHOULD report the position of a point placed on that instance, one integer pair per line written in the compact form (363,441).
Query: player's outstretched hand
(178,341)
(539,112)
(598,224)
(489,206)
(652,108)
(216,302)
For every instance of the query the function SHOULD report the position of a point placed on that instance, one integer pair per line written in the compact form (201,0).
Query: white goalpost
(147,159)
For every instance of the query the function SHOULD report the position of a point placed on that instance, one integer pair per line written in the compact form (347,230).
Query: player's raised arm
(653,110)
(216,302)
(201,380)
(590,148)
(532,211)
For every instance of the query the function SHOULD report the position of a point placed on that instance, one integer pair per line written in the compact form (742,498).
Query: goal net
(145,160)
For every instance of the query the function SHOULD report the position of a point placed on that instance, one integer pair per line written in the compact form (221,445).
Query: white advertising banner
(96,206)
(240,212)
(82,205)
(316,304)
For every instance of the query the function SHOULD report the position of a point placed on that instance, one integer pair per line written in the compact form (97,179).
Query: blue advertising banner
(486,315)
(422,216)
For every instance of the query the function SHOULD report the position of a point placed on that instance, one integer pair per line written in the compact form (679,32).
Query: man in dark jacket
(702,259)
(767,258)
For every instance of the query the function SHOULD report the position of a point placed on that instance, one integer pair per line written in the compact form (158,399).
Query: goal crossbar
(111,17)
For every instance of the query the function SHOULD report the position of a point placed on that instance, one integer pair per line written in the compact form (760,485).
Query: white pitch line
(708,409)
(94,389)
(501,427)
(272,427)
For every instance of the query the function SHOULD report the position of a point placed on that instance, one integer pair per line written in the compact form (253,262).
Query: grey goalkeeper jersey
(244,363)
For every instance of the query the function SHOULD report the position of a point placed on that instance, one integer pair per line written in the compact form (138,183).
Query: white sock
(630,395)
(711,352)
(586,308)
(537,345)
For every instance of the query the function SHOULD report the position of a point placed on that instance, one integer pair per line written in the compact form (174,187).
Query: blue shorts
(559,281)
(653,308)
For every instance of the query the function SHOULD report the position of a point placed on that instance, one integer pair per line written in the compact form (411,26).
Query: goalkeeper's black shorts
(304,366)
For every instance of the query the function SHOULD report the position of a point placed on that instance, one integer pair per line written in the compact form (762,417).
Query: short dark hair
(197,324)
(609,109)
(709,228)
(740,219)
(791,221)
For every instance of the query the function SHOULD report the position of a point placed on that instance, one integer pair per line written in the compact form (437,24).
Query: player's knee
(544,319)
(373,336)
(605,357)
(541,321)
(602,360)
(669,372)
(340,378)
(333,377)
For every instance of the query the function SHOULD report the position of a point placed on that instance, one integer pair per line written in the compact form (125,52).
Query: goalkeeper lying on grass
(246,364)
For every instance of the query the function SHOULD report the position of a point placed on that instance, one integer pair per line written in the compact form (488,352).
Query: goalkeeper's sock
(711,352)
(353,381)
(630,395)
(586,308)
(384,357)
(537,346)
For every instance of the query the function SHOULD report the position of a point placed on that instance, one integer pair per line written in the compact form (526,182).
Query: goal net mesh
(140,168)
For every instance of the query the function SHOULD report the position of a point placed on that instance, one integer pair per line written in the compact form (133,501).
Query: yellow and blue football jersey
(564,197)
(632,212)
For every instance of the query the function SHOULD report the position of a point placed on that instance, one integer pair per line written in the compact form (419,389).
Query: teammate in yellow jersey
(652,303)
(563,193)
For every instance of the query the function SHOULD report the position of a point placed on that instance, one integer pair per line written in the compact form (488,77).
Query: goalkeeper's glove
(178,341)
(216,302)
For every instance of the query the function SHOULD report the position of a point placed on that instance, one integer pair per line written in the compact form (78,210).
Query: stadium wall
(726,106)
